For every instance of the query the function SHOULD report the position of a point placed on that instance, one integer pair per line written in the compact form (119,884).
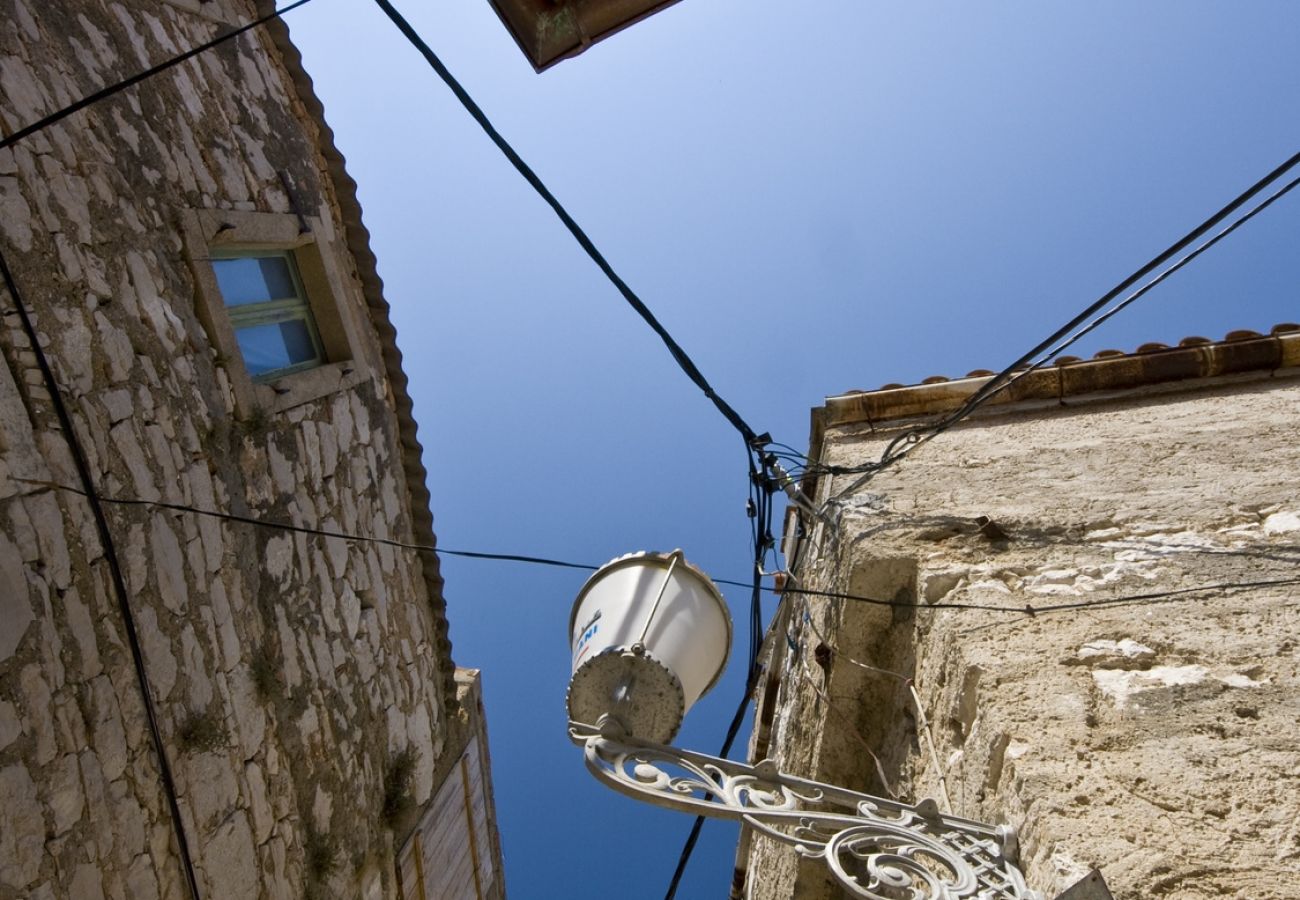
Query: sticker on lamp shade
(584,641)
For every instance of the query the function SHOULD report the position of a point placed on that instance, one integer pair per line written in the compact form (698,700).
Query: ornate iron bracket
(878,849)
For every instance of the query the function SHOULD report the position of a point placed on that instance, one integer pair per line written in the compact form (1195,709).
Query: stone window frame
(317,260)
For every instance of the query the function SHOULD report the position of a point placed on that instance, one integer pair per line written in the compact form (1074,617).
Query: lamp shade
(650,634)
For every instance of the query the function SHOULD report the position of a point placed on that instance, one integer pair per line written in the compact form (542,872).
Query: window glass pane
(254,279)
(279,345)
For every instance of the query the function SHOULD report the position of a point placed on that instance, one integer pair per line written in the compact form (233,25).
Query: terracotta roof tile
(1109,371)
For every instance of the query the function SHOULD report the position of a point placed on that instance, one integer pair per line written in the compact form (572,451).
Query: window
(268,310)
(287,322)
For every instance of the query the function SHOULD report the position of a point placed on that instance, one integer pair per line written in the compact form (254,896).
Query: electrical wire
(849,725)
(761,489)
(334,533)
(1136,295)
(760,496)
(1026,610)
(116,577)
(1030,610)
(321,532)
(905,443)
(1166,596)
(679,355)
(120,86)
(986,394)
(689,847)
(910,683)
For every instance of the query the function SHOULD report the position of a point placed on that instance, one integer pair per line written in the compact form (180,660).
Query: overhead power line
(761,512)
(1026,610)
(679,355)
(761,487)
(1029,609)
(120,86)
(1132,298)
(116,578)
(733,729)
(908,441)
(275,525)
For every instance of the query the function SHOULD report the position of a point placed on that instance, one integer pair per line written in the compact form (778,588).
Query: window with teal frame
(269,312)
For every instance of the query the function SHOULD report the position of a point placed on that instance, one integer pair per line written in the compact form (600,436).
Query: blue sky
(814,198)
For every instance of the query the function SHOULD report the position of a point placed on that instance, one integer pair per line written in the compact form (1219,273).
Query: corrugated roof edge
(358,241)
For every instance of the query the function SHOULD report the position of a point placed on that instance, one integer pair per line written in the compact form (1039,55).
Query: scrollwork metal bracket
(878,849)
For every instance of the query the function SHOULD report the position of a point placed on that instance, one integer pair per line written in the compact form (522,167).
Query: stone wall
(1154,739)
(300,681)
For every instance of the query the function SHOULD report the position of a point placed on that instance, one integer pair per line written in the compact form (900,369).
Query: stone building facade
(191,254)
(1131,703)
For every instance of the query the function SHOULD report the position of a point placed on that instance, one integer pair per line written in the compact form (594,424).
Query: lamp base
(631,686)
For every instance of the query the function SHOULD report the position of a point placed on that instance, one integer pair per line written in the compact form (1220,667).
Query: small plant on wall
(201,732)
(320,860)
(266,680)
(397,787)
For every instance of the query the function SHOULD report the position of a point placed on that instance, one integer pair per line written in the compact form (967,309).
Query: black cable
(689,847)
(344,535)
(109,91)
(115,573)
(320,532)
(762,488)
(1159,279)
(762,505)
(1174,595)
(1030,610)
(1237,202)
(914,437)
(987,394)
(544,561)
(679,355)
(511,557)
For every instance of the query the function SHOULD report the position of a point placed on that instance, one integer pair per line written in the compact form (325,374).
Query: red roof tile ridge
(1195,358)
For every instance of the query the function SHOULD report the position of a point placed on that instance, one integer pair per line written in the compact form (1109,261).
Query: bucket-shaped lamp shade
(650,634)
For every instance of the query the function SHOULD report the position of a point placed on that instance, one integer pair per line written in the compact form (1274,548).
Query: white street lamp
(650,634)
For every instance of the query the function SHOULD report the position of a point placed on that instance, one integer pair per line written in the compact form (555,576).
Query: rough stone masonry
(1155,739)
(290,671)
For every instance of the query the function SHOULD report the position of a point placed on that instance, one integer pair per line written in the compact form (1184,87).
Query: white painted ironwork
(878,849)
